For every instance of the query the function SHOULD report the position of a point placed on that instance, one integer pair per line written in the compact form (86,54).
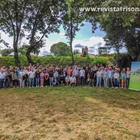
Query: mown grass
(69,113)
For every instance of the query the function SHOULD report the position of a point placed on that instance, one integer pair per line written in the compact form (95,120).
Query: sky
(83,38)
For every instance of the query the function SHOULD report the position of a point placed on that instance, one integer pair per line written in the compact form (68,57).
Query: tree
(12,16)
(5,52)
(72,20)
(60,49)
(76,51)
(44,18)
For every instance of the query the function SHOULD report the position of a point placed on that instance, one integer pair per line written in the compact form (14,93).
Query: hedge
(55,60)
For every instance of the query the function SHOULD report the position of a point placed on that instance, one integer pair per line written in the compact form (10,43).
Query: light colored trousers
(21,82)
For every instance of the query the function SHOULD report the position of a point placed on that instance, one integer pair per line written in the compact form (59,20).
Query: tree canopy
(60,49)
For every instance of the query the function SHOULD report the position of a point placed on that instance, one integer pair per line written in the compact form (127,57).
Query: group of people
(49,75)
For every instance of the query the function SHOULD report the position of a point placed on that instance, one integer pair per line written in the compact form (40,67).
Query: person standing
(98,78)
(31,78)
(128,72)
(15,78)
(82,75)
(2,78)
(51,77)
(42,78)
(46,78)
(21,79)
(116,79)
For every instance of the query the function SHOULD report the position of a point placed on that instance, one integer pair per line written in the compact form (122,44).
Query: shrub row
(59,60)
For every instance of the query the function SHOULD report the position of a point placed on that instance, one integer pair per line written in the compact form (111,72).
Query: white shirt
(128,74)
(82,73)
(2,75)
(75,72)
(72,79)
(67,78)
(31,74)
(21,74)
(99,73)
(116,75)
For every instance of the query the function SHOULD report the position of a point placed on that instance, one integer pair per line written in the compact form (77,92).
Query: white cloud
(48,45)
(7,39)
(95,42)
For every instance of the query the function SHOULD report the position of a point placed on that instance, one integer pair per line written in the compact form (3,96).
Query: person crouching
(72,81)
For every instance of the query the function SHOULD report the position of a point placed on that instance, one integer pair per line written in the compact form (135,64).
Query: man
(86,74)
(72,81)
(2,78)
(51,77)
(82,75)
(75,72)
(110,77)
(91,74)
(31,78)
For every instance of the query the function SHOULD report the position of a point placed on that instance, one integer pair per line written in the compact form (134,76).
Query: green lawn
(69,113)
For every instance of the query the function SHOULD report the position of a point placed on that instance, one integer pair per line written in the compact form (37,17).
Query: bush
(58,60)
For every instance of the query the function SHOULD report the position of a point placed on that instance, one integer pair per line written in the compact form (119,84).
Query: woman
(15,78)
(21,79)
(123,78)
(98,78)
(42,78)
(37,76)
(128,72)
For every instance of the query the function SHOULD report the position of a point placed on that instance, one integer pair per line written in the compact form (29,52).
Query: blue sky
(84,37)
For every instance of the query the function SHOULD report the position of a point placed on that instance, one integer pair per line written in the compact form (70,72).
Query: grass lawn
(69,113)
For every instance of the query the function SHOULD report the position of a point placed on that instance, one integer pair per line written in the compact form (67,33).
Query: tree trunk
(138,59)
(17,62)
(29,56)
(71,38)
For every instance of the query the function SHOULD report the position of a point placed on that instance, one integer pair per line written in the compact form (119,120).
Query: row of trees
(36,19)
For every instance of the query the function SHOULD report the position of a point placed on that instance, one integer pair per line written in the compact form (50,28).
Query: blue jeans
(82,80)
(31,82)
(1,83)
(37,81)
(127,82)
(116,83)
(98,81)
(51,81)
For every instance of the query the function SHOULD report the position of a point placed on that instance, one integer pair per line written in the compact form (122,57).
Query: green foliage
(5,52)
(76,51)
(123,60)
(58,60)
(60,49)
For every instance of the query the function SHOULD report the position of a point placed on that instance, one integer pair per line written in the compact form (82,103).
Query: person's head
(116,71)
(128,69)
